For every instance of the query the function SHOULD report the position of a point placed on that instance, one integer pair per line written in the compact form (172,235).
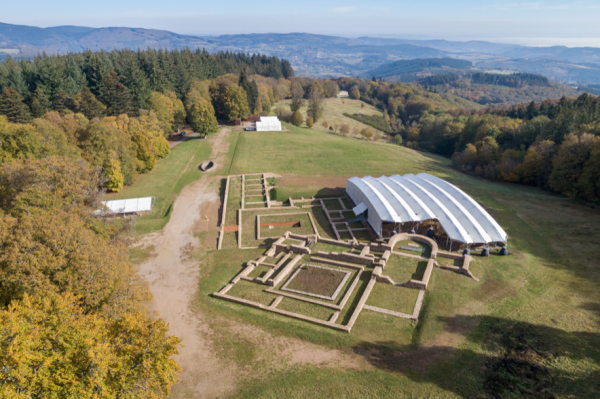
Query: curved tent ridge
(404,211)
(393,216)
(423,212)
(485,219)
(464,217)
(447,219)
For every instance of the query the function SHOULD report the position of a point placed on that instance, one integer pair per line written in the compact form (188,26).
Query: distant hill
(315,55)
(496,89)
(31,40)
(412,70)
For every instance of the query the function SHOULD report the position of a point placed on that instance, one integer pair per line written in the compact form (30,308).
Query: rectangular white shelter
(268,124)
(130,206)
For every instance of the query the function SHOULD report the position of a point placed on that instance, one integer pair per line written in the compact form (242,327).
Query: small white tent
(268,124)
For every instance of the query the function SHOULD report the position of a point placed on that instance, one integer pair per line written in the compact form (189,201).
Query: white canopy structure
(396,200)
(128,206)
(268,124)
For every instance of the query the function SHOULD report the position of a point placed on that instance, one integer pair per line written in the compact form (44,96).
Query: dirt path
(173,278)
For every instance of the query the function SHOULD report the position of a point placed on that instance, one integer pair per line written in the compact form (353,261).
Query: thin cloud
(344,9)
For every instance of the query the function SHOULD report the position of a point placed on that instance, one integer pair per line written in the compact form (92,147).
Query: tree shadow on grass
(512,359)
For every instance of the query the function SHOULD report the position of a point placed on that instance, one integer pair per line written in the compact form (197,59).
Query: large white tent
(268,124)
(394,201)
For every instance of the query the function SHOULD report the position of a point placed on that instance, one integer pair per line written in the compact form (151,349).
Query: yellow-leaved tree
(51,348)
(164,109)
(236,103)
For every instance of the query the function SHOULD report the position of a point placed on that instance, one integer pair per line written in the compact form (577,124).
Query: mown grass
(391,297)
(306,227)
(334,115)
(545,294)
(402,268)
(165,182)
(309,152)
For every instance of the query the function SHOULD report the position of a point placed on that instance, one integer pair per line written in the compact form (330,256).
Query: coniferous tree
(115,95)
(87,104)
(137,83)
(95,70)
(40,103)
(75,78)
(61,101)
(12,106)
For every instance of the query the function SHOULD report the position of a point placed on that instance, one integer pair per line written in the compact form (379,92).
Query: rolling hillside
(314,55)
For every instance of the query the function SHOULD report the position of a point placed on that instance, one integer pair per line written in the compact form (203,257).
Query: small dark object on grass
(205,166)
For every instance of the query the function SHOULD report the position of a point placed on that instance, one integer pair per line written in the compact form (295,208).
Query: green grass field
(544,296)
(167,180)
(334,115)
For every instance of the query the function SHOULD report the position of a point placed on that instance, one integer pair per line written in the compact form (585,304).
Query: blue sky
(530,22)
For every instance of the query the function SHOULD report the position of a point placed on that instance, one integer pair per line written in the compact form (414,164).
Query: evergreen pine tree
(12,106)
(95,70)
(61,101)
(137,83)
(115,95)
(88,105)
(40,103)
(75,78)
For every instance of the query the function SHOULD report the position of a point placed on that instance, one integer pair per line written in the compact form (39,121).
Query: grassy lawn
(401,268)
(391,297)
(310,152)
(305,228)
(305,308)
(334,114)
(165,182)
(417,248)
(544,296)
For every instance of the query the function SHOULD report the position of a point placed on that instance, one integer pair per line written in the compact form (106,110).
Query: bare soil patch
(316,280)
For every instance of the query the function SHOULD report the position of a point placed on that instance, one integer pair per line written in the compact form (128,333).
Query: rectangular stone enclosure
(317,281)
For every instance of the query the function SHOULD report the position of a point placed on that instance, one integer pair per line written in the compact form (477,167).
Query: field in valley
(541,304)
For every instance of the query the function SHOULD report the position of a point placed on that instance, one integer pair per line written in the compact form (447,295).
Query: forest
(73,315)
(553,144)
(116,109)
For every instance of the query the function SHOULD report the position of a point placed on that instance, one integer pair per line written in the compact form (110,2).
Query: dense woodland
(115,109)
(554,144)
(73,321)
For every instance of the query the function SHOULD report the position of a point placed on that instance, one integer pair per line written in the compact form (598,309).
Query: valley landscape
(295,215)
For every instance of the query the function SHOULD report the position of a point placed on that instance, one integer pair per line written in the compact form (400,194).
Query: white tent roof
(360,208)
(130,205)
(268,124)
(425,197)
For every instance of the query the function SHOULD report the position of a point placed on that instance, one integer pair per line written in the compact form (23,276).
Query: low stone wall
(421,284)
(299,249)
(282,312)
(284,272)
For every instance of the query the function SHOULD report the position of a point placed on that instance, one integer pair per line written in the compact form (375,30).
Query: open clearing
(334,115)
(545,295)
